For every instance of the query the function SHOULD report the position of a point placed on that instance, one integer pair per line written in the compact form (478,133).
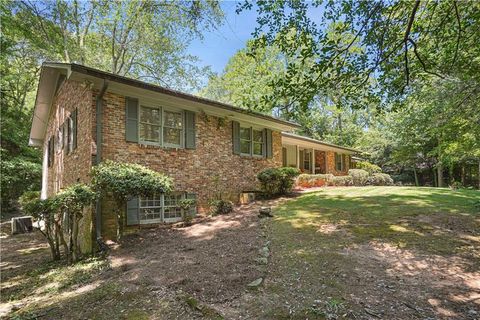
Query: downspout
(98,159)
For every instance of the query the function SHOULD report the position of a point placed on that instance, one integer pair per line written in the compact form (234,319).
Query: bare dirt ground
(326,260)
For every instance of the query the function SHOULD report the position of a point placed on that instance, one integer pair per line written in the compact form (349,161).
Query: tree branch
(422,62)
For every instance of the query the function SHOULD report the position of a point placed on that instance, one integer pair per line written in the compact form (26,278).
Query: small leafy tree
(125,181)
(43,212)
(69,204)
(186,205)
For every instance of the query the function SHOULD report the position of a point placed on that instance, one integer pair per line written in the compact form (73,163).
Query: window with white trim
(149,124)
(252,142)
(245,140)
(339,165)
(172,128)
(171,207)
(160,126)
(160,208)
(150,209)
(258,143)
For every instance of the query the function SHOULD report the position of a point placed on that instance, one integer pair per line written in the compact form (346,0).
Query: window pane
(257,148)
(149,132)
(150,115)
(244,146)
(245,133)
(172,119)
(172,136)
(257,136)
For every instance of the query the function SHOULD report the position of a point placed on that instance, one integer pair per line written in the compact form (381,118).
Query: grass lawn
(375,252)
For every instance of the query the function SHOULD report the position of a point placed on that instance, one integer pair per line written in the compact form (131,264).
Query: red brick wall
(331,164)
(70,168)
(210,168)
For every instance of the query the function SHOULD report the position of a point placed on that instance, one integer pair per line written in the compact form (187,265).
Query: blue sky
(221,44)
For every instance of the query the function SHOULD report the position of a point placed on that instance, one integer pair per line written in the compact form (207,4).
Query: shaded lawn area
(374,252)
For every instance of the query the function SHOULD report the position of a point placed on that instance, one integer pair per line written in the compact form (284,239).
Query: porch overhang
(309,143)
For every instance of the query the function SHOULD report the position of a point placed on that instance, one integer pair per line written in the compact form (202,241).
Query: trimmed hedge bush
(380,179)
(314,180)
(343,181)
(359,176)
(277,181)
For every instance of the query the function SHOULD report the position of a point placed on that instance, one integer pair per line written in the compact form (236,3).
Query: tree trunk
(478,174)
(440,174)
(462,178)
(435,184)
(416,176)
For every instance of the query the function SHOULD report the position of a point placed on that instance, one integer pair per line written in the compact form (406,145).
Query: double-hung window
(258,143)
(245,140)
(150,209)
(172,128)
(149,124)
(161,126)
(252,142)
(160,208)
(339,162)
(172,211)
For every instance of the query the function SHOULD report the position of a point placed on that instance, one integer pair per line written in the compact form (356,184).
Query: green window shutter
(269,144)
(236,137)
(189,130)
(131,117)
(193,211)
(74,129)
(132,212)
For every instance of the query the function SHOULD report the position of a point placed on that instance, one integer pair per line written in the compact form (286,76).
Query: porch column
(298,156)
(313,161)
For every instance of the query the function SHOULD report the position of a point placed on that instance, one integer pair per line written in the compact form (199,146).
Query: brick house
(84,116)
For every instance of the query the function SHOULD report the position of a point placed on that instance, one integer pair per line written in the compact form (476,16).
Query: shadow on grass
(405,252)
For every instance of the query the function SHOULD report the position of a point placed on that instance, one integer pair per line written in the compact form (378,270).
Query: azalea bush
(314,180)
(125,181)
(359,176)
(343,181)
(380,179)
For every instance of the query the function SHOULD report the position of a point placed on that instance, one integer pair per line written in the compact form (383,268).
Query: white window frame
(264,143)
(175,219)
(150,221)
(162,210)
(342,164)
(161,125)
(182,132)
(139,122)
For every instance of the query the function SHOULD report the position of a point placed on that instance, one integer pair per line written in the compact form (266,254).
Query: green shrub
(277,181)
(287,179)
(314,180)
(126,181)
(369,167)
(343,181)
(220,207)
(380,179)
(186,205)
(359,176)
